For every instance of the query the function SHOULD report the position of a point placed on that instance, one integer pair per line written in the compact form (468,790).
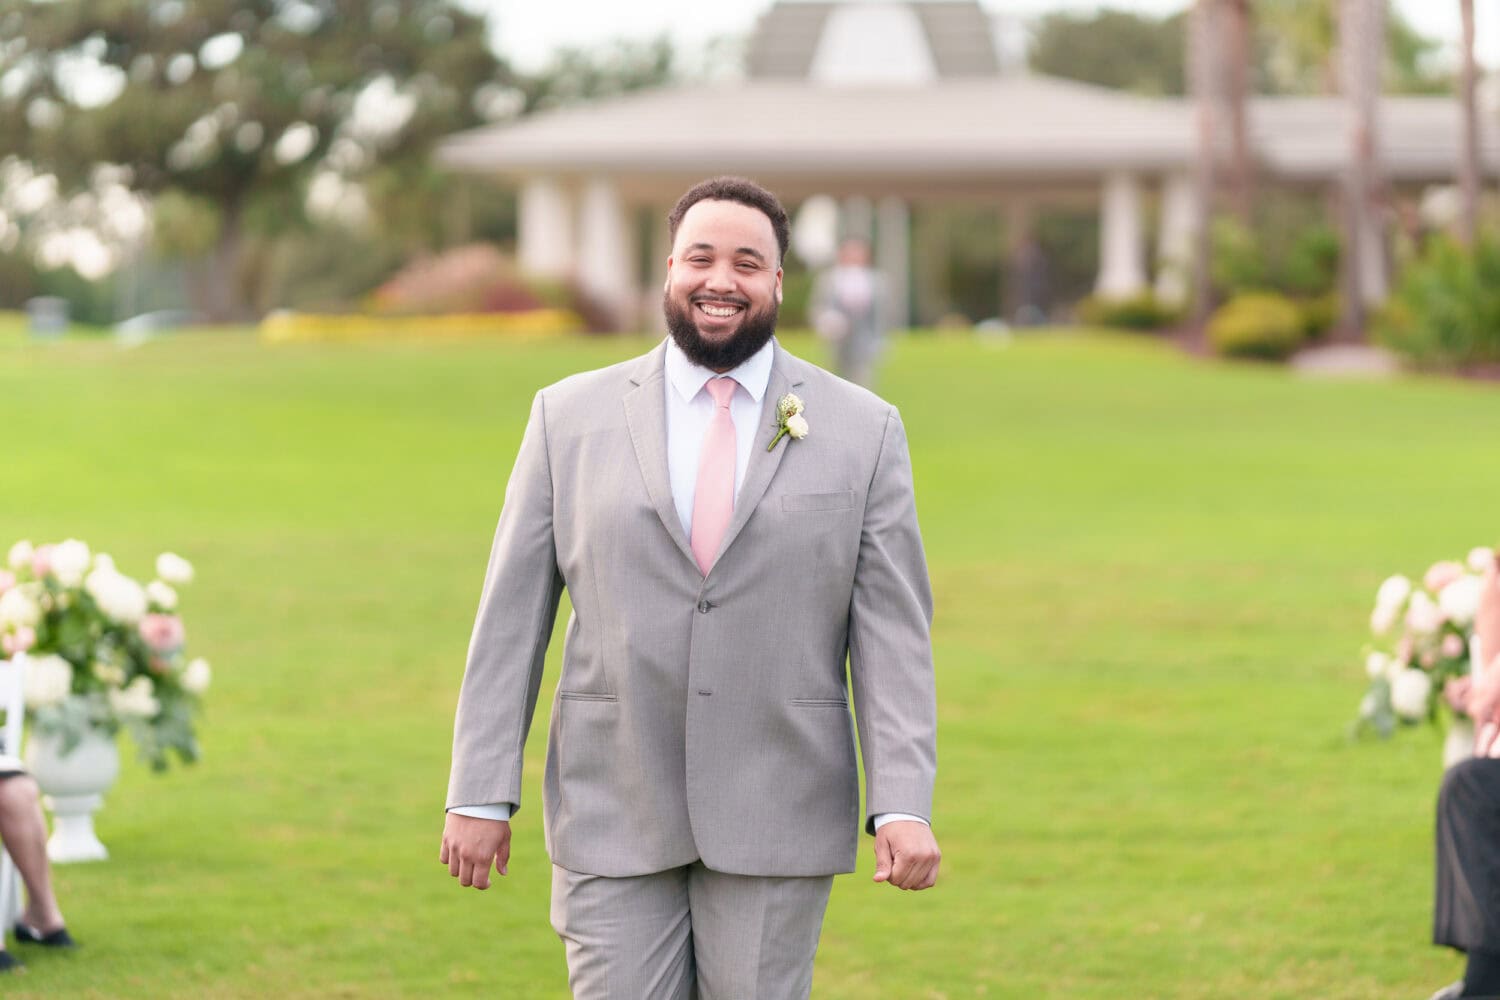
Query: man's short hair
(737,189)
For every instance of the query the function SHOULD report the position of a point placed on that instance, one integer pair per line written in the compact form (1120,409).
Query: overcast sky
(527,31)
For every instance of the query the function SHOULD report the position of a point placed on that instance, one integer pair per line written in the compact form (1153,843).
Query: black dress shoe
(9,962)
(59,938)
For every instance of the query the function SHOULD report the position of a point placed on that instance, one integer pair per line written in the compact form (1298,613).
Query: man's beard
(755,329)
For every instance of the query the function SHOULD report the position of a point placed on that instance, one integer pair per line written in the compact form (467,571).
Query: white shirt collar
(753,374)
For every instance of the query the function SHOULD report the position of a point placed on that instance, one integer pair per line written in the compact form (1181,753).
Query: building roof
(993,131)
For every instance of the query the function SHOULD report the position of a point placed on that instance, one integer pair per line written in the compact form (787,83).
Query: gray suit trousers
(689,933)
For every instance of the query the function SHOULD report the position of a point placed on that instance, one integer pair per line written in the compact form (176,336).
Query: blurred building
(876,107)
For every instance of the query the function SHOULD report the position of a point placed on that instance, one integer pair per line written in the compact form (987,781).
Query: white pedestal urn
(1458,745)
(74,785)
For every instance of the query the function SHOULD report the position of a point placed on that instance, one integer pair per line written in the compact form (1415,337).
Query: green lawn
(1151,576)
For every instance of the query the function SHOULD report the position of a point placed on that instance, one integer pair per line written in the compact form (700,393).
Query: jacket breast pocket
(837,500)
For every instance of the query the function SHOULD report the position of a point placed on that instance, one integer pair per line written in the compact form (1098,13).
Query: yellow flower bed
(288,327)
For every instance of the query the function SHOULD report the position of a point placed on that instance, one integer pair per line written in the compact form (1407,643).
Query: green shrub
(1256,325)
(1319,314)
(1143,311)
(1445,312)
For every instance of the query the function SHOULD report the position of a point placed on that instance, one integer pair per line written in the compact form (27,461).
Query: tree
(1468,161)
(1112,49)
(232,106)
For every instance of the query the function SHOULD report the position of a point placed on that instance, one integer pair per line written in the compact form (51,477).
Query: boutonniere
(789,420)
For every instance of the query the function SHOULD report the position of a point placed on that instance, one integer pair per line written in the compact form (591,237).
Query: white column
(1122,268)
(1174,252)
(606,252)
(544,229)
(893,257)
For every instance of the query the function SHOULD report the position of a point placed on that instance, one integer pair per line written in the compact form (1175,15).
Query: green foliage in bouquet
(102,651)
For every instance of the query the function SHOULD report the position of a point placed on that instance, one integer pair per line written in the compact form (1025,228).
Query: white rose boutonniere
(789,420)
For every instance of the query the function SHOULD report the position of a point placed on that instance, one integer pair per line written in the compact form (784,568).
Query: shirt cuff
(492,810)
(881,819)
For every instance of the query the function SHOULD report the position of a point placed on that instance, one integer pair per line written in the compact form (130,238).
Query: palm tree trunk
(1361,32)
(1468,164)
(1203,62)
(1236,28)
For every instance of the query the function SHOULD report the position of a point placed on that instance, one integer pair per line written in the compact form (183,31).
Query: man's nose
(720,279)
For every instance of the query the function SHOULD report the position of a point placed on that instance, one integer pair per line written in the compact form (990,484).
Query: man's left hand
(906,855)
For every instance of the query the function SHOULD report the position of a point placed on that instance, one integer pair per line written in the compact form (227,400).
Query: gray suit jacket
(705,717)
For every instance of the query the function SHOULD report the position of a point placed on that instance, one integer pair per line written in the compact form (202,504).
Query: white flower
(109,673)
(1460,600)
(20,555)
(103,560)
(1423,616)
(70,560)
(1479,559)
(161,595)
(796,426)
(48,680)
(1409,694)
(136,700)
(174,569)
(1376,664)
(118,596)
(1393,592)
(197,675)
(1383,617)
(18,609)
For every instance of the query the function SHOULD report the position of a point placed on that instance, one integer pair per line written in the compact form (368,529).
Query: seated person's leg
(23,830)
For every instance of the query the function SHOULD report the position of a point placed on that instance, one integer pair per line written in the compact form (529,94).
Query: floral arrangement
(102,651)
(1423,636)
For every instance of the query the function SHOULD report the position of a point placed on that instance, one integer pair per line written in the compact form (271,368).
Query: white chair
(13,703)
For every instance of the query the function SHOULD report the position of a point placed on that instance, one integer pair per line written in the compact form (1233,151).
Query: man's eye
(746,265)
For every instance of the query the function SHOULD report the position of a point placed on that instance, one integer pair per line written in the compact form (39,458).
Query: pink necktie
(713,497)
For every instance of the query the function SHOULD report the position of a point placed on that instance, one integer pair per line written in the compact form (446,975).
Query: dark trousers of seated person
(1466,912)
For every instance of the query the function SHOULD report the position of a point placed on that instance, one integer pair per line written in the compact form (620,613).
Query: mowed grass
(1151,574)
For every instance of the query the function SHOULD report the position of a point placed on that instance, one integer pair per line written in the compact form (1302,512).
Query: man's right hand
(471,844)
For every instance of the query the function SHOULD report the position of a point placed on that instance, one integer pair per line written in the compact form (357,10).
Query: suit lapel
(763,464)
(646,416)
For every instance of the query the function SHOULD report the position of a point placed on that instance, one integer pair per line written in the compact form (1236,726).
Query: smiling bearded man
(737,532)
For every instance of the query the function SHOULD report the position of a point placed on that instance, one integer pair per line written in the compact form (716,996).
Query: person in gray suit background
(732,525)
(849,310)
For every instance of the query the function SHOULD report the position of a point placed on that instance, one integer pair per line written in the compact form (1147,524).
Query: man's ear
(778,286)
(667,285)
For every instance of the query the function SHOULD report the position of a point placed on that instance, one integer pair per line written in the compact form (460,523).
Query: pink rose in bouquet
(163,633)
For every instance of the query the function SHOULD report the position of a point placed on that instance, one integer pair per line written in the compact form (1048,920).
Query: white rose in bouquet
(1410,692)
(18,609)
(174,569)
(197,675)
(138,699)
(70,561)
(1423,616)
(1460,600)
(118,596)
(103,560)
(48,680)
(1393,591)
(1376,665)
(1480,558)
(161,595)
(20,555)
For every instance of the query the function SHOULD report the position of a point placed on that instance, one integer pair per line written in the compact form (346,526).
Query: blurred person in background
(849,311)
(23,833)
(1466,912)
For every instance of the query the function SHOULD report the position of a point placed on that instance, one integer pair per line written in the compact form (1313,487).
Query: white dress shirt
(689,409)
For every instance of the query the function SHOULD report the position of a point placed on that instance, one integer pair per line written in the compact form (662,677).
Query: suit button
(704,607)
